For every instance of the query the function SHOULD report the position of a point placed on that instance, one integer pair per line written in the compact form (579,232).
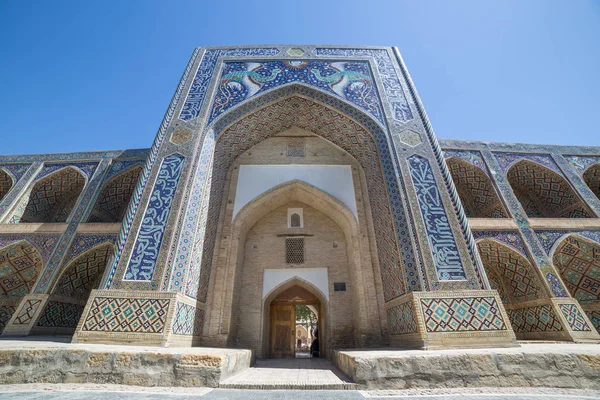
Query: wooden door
(283,328)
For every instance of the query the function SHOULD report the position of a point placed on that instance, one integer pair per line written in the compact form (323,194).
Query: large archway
(476,191)
(53,197)
(378,263)
(545,194)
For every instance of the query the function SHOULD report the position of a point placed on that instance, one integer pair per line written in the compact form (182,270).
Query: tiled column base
(26,315)
(8,306)
(593,313)
(551,319)
(474,318)
(141,318)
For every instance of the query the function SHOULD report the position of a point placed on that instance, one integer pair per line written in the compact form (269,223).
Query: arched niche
(591,176)
(475,189)
(20,266)
(6,183)
(578,262)
(53,197)
(545,194)
(510,273)
(113,199)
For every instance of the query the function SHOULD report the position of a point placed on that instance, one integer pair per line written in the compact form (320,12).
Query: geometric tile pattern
(592,178)
(52,199)
(402,319)
(15,171)
(188,320)
(82,242)
(534,319)
(462,314)
(351,81)
(58,314)
(345,133)
(84,273)
(545,194)
(574,318)
(113,199)
(44,243)
(109,314)
(475,190)
(20,265)
(150,233)
(594,317)
(506,160)
(6,313)
(6,183)
(27,312)
(578,262)
(439,233)
(512,272)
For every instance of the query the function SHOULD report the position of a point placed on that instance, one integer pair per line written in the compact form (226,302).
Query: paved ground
(120,392)
(290,373)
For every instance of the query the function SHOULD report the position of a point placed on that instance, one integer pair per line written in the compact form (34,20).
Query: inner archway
(280,320)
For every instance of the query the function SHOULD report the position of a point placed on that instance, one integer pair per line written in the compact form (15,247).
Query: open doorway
(295,321)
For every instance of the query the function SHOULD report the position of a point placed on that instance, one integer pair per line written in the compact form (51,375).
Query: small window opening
(295,218)
(294,250)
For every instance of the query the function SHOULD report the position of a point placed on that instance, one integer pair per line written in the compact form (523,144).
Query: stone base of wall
(532,365)
(81,363)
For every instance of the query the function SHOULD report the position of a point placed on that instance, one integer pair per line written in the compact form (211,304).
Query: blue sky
(98,75)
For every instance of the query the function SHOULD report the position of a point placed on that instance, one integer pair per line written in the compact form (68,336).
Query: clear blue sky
(98,75)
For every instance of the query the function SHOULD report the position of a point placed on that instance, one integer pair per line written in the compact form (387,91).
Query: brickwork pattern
(84,273)
(475,190)
(401,319)
(462,314)
(109,314)
(545,194)
(574,317)
(578,262)
(20,265)
(52,199)
(534,319)
(114,197)
(592,178)
(6,183)
(58,314)
(27,312)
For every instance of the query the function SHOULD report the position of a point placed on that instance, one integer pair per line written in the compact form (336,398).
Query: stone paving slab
(292,373)
(562,365)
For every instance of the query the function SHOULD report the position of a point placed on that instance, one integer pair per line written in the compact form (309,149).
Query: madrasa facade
(302,175)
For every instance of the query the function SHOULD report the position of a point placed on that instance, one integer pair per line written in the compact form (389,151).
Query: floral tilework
(462,314)
(147,245)
(439,233)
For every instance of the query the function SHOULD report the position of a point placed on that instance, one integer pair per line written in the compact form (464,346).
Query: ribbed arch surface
(591,176)
(53,197)
(84,273)
(476,192)
(20,265)
(578,262)
(6,183)
(509,272)
(545,194)
(113,200)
